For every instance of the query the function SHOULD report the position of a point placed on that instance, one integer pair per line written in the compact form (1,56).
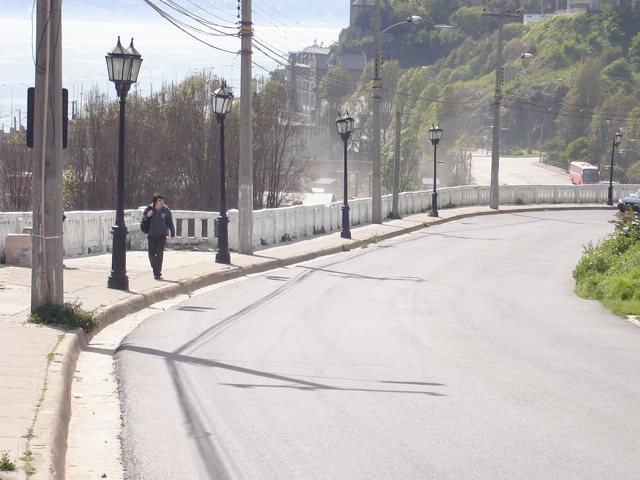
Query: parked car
(632,201)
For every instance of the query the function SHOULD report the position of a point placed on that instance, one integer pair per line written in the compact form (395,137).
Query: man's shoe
(157,277)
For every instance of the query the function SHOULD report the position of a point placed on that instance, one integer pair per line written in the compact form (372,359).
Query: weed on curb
(28,466)
(6,465)
(68,316)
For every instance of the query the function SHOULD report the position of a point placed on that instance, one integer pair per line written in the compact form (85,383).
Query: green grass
(610,271)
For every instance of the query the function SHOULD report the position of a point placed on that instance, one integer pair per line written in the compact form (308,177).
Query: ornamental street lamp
(123,66)
(616,141)
(222,100)
(435,134)
(345,127)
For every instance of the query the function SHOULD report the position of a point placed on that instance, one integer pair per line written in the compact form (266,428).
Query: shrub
(610,271)
(68,316)
(623,287)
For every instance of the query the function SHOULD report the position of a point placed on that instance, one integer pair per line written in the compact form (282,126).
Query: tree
(93,153)
(16,181)
(472,23)
(335,86)
(171,146)
(576,151)
(278,146)
(409,161)
(634,173)
(583,97)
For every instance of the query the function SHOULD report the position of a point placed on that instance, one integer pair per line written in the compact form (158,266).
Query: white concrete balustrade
(89,232)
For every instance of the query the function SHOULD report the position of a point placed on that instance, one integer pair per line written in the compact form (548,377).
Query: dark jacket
(160,222)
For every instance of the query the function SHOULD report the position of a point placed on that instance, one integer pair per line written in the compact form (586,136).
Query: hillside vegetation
(610,271)
(579,86)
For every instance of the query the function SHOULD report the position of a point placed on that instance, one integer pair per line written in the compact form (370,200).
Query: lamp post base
(118,279)
(346,232)
(434,204)
(222,255)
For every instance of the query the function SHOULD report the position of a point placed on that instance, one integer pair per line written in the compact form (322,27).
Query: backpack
(145,223)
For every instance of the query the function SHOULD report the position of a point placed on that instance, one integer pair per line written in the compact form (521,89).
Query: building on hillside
(577,6)
(598,5)
(307,68)
(360,11)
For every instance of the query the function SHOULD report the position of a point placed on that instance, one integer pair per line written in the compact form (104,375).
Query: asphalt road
(517,171)
(459,352)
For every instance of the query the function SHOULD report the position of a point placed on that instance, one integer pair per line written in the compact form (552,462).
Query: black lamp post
(616,142)
(123,66)
(345,127)
(222,100)
(435,134)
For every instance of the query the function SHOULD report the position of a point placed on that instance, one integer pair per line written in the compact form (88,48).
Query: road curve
(459,352)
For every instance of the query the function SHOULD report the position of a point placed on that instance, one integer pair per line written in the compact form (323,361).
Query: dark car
(632,201)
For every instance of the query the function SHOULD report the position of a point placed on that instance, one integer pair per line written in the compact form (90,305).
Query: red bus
(582,172)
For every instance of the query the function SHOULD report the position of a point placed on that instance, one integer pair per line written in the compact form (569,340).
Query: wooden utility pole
(46,241)
(245,180)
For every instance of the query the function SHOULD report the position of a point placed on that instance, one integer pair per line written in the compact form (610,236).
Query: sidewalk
(35,392)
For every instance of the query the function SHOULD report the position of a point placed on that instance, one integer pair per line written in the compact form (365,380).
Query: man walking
(160,220)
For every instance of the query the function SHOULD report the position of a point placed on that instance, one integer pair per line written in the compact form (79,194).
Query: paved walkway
(37,364)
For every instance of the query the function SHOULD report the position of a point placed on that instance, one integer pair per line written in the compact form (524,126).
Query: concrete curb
(51,426)
(52,421)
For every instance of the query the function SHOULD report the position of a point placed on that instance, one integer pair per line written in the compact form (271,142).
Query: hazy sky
(89,30)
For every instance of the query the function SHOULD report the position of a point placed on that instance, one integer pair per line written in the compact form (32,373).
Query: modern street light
(222,100)
(344,124)
(123,66)
(616,141)
(410,19)
(435,134)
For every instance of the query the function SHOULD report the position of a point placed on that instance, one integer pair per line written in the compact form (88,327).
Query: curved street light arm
(411,19)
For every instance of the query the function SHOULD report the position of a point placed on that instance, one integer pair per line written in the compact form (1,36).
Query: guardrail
(89,232)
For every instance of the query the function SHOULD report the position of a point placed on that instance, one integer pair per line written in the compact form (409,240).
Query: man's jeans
(156,253)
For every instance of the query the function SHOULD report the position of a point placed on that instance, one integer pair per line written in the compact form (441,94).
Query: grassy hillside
(580,86)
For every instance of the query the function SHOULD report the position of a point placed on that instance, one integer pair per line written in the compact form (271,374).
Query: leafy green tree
(335,86)
(634,53)
(617,77)
(583,97)
(472,23)
(633,173)
(72,185)
(409,162)
(576,151)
